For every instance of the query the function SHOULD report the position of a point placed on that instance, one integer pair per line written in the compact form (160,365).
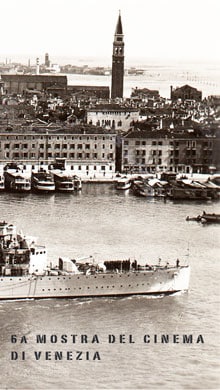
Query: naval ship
(25,274)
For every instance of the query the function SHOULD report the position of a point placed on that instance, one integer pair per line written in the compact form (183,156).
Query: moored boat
(63,181)
(24,273)
(124,183)
(2,182)
(42,181)
(16,179)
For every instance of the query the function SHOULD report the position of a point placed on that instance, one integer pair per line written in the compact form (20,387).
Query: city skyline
(163,29)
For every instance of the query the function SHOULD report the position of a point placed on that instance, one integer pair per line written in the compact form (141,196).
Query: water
(160,76)
(108,224)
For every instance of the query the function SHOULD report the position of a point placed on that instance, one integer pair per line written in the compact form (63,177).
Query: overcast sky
(166,29)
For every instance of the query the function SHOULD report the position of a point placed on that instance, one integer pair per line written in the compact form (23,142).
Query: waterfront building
(118,62)
(20,83)
(186,92)
(145,151)
(112,116)
(87,150)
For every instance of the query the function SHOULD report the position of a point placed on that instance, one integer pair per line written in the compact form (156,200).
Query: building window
(79,155)
(87,146)
(41,146)
(79,146)
(137,142)
(72,146)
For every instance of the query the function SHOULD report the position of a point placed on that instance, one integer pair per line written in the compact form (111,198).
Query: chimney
(37,66)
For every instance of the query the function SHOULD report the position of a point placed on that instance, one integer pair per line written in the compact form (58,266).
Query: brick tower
(118,62)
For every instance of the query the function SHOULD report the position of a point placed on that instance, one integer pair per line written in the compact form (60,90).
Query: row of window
(56,146)
(43,137)
(158,161)
(111,112)
(189,144)
(63,155)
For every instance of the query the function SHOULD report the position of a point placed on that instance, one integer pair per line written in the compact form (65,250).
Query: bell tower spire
(118,61)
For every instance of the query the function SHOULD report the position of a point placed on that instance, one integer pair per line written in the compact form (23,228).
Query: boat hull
(150,282)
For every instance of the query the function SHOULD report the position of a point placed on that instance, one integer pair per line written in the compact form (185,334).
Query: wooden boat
(210,218)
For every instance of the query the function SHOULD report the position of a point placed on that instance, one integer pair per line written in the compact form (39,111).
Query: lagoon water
(108,224)
(160,76)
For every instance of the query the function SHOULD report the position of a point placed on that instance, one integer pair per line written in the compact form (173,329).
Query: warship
(25,273)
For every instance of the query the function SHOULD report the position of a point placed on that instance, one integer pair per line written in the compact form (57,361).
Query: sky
(177,30)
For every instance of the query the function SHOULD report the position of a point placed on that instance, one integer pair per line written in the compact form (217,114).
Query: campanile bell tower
(118,62)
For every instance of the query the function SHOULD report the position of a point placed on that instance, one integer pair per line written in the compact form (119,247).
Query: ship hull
(152,282)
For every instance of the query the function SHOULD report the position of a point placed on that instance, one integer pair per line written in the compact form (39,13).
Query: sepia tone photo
(109,194)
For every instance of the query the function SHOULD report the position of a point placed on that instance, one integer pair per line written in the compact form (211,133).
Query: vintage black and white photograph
(109,194)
